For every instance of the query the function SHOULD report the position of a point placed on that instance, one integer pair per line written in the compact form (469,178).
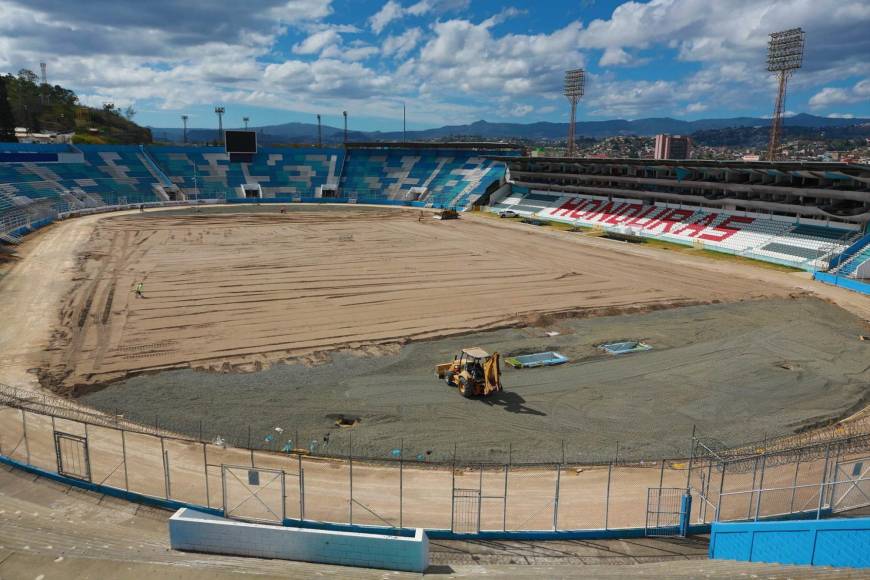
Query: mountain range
(540,131)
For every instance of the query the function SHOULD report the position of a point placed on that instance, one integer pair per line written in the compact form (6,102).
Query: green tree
(7,121)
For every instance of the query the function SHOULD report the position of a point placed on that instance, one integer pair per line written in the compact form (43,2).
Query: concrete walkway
(49,530)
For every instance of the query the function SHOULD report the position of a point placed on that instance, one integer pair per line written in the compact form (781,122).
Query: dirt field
(239,291)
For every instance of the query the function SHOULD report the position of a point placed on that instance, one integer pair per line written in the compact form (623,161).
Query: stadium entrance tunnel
(624,347)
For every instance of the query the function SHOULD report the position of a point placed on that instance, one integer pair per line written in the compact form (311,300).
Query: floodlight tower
(319,133)
(245,120)
(44,86)
(575,83)
(184,121)
(345,126)
(785,54)
(219,111)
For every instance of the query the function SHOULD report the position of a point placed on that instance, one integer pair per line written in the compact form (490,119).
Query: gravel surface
(742,371)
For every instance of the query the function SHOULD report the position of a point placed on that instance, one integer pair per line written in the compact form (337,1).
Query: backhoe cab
(474,371)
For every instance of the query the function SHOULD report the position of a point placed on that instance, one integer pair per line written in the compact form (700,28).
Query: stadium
(295,303)
(291,350)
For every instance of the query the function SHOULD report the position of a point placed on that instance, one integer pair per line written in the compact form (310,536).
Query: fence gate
(72,456)
(664,511)
(851,489)
(253,494)
(466,511)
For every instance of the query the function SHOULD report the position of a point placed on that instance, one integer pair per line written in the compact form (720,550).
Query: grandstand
(450,176)
(51,179)
(207,172)
(793,213)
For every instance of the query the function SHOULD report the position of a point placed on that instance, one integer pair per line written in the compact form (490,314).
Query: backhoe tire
(448,378)
(465,388)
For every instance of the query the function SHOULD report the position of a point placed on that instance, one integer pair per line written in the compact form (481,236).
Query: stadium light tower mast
(44,86)
(219,111)
(245,120)
(785,54)
(575,83)
(184,121)
(319,133)
(345,126)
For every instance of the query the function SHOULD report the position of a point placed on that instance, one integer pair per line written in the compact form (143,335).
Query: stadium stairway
(859,255)
(57,530)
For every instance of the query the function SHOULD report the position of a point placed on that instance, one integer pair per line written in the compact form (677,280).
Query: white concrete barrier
(201,532)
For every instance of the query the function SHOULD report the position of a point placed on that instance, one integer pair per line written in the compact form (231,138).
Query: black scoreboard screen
(240,141)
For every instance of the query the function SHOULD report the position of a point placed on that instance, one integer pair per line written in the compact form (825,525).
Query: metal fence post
(691,461)
(822,482)
(607,495)
(124,453)
(301,488)
(504,499)
(556,499)
(205,470)
(760,485)
(797,466)
(24,432)
(453,488)
(752,490)
(479,497)
(165,467)
(401,479)
(721,489)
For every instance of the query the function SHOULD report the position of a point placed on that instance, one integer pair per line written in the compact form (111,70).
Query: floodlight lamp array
(575,81)
(785,50)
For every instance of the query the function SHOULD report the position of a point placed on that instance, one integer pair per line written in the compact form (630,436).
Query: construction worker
(140,287)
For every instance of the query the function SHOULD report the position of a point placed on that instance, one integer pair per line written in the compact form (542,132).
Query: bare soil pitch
(241,290)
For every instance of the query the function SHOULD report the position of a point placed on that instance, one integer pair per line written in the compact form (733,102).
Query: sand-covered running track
(241,290)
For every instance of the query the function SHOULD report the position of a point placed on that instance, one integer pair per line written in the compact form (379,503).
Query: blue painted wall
(839,542)
(848,283)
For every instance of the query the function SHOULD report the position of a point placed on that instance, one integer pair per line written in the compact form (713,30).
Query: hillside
(24,102)
(540,131)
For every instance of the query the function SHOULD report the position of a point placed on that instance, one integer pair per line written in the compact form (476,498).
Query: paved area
(51,531)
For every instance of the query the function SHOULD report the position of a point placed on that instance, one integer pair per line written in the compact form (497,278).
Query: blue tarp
(540,359)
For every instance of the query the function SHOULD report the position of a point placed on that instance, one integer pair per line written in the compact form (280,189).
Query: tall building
(672,147)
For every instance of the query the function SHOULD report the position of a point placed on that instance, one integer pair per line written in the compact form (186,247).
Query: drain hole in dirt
(345,420)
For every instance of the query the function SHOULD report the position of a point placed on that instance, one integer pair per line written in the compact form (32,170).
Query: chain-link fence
(293,482)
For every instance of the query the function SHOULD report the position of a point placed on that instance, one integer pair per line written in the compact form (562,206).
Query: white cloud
(316,42)
(614,57)
(401,45)
(841,96)
(390,11)
(696,107)
(841,116)
(467,57)
(393,10)
(521,110)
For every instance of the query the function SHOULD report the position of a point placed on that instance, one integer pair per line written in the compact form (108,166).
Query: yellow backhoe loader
(474,371)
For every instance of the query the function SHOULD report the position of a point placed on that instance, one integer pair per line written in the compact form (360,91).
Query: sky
(449,61)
